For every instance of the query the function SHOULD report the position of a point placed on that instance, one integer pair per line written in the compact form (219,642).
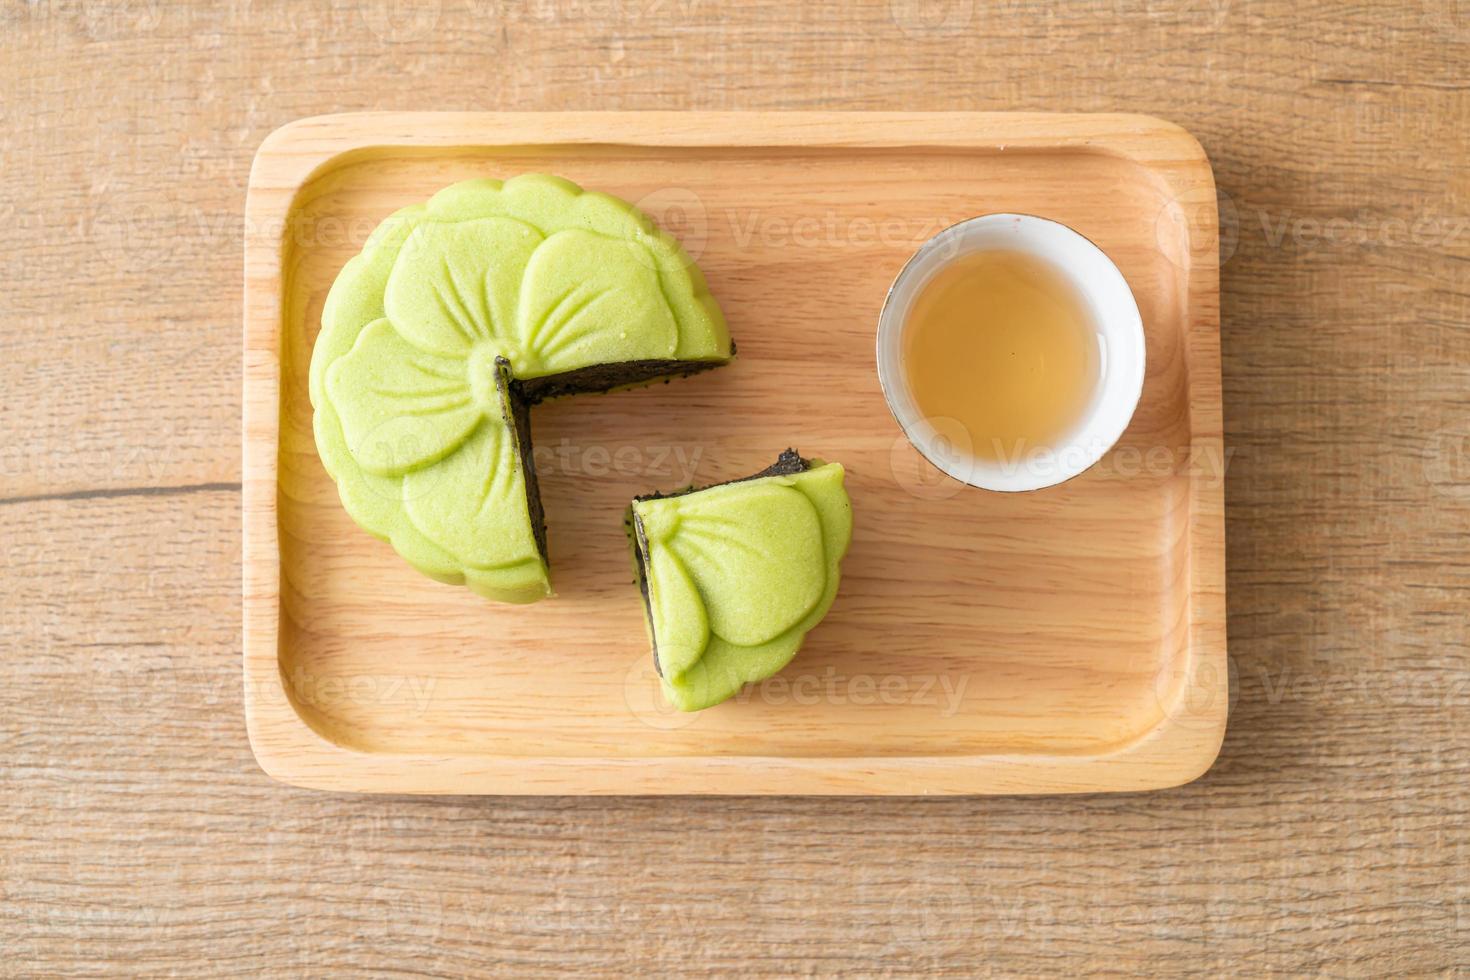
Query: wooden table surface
(137,834)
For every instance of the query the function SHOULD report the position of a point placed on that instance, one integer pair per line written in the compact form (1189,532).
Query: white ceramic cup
(1114,317)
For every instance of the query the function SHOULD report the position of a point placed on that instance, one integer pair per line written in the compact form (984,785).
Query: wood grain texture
(1065,640)
(1332,836)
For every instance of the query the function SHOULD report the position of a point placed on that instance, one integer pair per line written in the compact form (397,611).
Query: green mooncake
(459,314)
(733,576)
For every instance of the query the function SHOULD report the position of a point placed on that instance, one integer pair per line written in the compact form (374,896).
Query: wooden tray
(1067,640)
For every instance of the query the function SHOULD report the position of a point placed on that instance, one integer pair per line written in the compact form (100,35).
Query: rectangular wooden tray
(1067,640)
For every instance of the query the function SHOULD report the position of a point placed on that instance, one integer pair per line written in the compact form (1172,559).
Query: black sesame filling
(599,378)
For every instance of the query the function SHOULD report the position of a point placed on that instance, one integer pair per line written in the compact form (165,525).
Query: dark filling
(605,377)
(634,527)
(520,411)
(789,463)
(519,396)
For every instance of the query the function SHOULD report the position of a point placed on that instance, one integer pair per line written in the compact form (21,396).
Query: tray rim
(1174,752)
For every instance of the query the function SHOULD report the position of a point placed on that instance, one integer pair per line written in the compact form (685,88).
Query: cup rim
(1118,392)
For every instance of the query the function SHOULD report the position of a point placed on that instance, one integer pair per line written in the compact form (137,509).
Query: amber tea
(1001,342)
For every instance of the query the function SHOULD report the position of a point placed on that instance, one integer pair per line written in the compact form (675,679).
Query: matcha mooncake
(459,314)
(733,576)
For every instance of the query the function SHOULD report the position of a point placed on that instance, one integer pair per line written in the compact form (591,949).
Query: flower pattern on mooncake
(735,575)
(437,337)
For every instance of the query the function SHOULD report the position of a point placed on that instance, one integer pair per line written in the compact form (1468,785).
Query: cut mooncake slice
(457,316)
(733,576)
